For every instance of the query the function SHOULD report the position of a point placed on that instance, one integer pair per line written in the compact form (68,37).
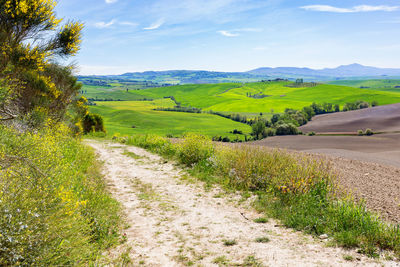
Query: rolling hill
(352,71)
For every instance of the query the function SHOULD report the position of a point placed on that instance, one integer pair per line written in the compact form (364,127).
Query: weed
(264,239)
(221,261)
(251,261)
(261,220)
(229,243)
(348,257)
(131,154)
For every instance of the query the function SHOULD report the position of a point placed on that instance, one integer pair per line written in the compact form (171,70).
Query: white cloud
(355,9)
(228,34)
(103,24)
(155,25)
(128,23)
(111,1)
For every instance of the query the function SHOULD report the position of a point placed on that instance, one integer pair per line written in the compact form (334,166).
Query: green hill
(249,99)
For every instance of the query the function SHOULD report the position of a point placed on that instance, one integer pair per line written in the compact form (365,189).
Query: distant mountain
(344,71)
(349,72)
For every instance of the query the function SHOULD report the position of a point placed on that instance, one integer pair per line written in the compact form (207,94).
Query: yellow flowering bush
(28,67)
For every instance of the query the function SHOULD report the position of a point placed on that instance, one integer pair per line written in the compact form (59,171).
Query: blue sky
(233,35)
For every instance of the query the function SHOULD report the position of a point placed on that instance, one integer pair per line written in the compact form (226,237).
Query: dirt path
(174,221)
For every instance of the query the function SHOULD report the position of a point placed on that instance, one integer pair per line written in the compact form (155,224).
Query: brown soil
(174,221)
(379,119)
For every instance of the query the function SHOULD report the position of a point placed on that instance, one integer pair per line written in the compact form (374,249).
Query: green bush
(368,132)
(54,208)
(194,148)
(287,129)
(311,133)
(360,133)
(93,123)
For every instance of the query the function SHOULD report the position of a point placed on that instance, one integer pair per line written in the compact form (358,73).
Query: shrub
(54,208)
(360,133)
(93,123)
(286,129)
(368,132)
(311,133)
(226,139)
(269,132)
(153,143)
(194,148)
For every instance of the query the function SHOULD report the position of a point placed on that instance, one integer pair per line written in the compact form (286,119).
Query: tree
(258,129)
(31,41)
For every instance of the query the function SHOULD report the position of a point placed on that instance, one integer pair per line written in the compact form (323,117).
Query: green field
(228,98)
(388,85)
(121,116)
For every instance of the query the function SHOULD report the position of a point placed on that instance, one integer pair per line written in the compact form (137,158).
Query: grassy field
(228,98)
(121,116)
(388,85)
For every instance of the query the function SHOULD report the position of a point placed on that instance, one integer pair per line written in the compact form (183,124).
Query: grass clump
(261,220)
(263,239)
(54,208)
(230,242)
(296,189)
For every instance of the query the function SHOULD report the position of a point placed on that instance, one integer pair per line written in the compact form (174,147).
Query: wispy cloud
(355,9)
(155,25)
(111,1)
(128,23)
(228,34)
(103,24)
(236,32)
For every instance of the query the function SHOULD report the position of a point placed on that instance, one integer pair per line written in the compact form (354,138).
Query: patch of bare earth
(174,221)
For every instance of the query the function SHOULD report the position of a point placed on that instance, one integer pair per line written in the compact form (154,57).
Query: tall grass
(296,189)
(54,209)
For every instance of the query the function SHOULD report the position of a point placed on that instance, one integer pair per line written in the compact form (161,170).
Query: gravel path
(174,221)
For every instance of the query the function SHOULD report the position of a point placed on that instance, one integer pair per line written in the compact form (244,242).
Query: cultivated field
(368,166)
(379,119)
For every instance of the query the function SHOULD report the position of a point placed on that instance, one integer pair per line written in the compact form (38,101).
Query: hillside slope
(379,119)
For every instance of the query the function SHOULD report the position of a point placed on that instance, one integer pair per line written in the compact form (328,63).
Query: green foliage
(286,129)
(261,220)
(93,123)
(258,129)
(368,132)
(27,52)
(54,208)
(194,149)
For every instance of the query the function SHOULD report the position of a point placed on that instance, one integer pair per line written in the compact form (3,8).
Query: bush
(194,148)
(226,139)
(311,133)
(269,132)
(93,123)
(152,142)
(360,133)
(287,129)
(54,208)
(368,132)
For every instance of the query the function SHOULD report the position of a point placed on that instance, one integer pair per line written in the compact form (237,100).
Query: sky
(233,35)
